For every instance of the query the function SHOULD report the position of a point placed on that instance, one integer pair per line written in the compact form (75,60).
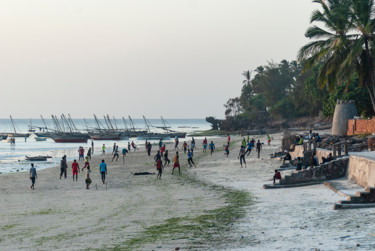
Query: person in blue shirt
(190,158)
(318,138)
(250,146)
(160,144)
(33,176)
(124,152)
(103,170)
(212,147)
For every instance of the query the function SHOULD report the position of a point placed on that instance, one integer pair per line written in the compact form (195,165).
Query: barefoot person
(103,170)
(103,149)
(259,147)
(227,150)
(75,169)
(124,151)
(176,163)
(212,147)
(166,159)
(159,168)
(88,155)
(190,158)
(205,145)
(115,154)
(176,141)
(241,156)
(87,174)
(33,176)
(63,167)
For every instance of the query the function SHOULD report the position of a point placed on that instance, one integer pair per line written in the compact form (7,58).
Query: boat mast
(131,121)
(126,126)
(147,125)
(44,122)
(114,121)
(72,123)
(14,128)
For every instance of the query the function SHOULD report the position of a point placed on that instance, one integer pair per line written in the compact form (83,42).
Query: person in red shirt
(81,152)
(185,146)
(159,168)
(75,168)
(205,145)
(162,149)
(228,139)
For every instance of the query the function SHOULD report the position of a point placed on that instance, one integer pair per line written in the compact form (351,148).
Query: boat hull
(105,137)
(69,140)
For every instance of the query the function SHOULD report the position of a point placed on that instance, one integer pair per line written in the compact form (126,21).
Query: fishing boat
(104,133)
(37,158)
(152,135)
(67,132)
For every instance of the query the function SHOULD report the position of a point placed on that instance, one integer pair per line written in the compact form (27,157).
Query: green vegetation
(209,133)
(202,230)
(337,64)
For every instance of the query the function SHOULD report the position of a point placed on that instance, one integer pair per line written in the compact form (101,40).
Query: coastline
(217,205)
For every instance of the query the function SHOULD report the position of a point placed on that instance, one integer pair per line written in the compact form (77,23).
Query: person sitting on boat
(287,156)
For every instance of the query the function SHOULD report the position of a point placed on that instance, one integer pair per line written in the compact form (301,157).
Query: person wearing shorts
(75,169)
(103,149)
(249,147)
(185,146)
(205,145)
(176,163)
(166,159)
(115,154)
(226,150)
(124,151)
(103,170)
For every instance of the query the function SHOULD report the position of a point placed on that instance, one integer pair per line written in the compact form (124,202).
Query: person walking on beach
(75,169)
(268,140)
(212,147)
(81,152)
(190,159)
(176,163)
(185,146)
(166,159)
(192,144)
(92,146)
(129,147)
(259,147)
(115,153)
(176,143)
(227,150)
(88,155)
(241,156)
(149,146)
(228,139)
(63,167)
(103,149)
(159,168)
(33,176)
(87,174)
(103,170)
(248,138)
(205,145)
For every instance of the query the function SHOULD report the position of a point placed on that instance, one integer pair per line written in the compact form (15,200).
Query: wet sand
(216,206)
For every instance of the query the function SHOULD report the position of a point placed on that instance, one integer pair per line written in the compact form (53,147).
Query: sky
(170,58)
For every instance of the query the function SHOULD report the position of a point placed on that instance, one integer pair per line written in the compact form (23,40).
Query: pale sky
(170,58)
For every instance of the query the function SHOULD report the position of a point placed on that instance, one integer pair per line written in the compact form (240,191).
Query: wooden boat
(38,158)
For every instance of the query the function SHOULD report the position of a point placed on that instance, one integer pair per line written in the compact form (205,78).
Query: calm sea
(12,157)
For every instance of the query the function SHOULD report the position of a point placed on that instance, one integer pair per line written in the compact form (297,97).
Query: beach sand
(216,206)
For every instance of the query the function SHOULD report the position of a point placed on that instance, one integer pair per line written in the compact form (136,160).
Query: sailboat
(152,135)
(70,134)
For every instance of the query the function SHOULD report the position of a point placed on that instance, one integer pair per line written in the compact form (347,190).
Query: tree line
(337,64)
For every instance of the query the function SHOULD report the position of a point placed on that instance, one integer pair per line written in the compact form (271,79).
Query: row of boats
(65,131)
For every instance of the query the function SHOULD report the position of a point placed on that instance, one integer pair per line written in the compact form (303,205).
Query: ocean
(12,156)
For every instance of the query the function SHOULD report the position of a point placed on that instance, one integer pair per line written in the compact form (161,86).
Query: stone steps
(360,200)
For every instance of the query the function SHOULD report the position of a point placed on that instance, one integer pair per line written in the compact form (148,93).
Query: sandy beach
(216,206)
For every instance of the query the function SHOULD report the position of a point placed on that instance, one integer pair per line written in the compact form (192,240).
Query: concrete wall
(298,152)
(361,126)
(343,112)
(361,171)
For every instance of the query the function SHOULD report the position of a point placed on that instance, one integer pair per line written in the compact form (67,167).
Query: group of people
(246,147)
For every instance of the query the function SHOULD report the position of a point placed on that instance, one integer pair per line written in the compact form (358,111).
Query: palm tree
(345,46)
